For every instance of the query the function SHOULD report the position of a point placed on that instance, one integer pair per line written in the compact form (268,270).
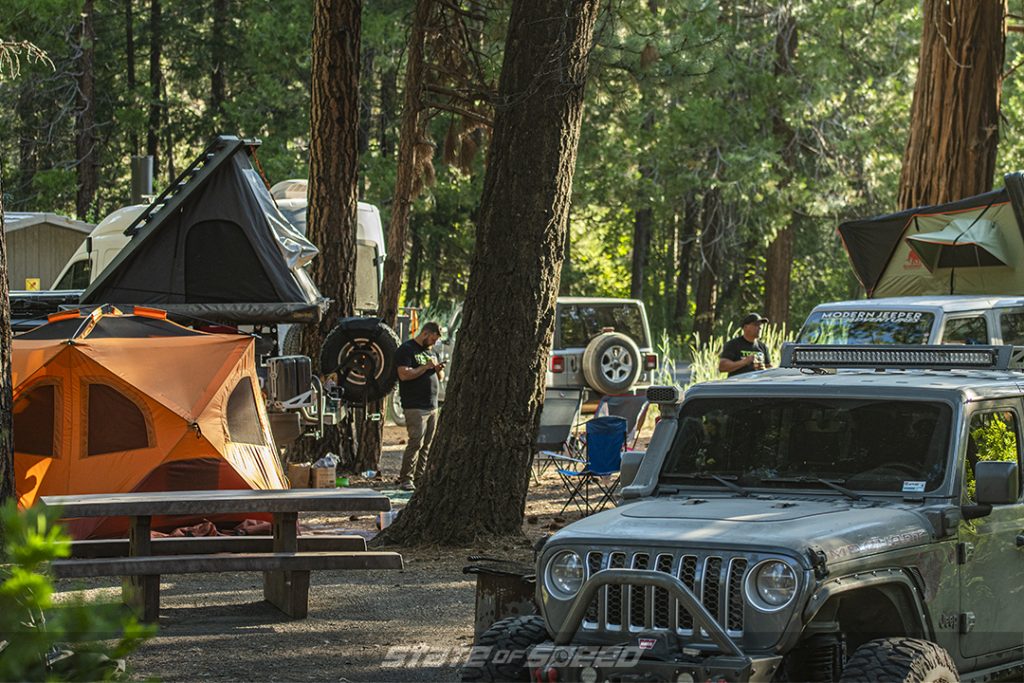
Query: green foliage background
(681,101)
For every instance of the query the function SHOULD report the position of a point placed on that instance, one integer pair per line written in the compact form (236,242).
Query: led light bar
(897,357)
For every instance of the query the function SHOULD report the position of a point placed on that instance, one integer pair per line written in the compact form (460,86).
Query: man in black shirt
(418,374)
(746,352)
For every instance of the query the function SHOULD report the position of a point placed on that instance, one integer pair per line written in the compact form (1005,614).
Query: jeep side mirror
(996,482)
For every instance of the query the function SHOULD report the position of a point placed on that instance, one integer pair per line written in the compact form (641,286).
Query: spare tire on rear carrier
(361,351)
(611,363)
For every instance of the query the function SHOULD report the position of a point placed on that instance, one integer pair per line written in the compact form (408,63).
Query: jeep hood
(842,529)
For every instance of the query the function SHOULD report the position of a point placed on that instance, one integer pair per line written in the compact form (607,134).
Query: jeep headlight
(564,574)
(772,585)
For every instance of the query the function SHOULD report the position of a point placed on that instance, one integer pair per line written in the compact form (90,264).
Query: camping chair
(633,407)
(606,439)
(558,418)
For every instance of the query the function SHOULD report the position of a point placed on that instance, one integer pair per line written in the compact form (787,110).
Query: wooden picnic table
(285,569)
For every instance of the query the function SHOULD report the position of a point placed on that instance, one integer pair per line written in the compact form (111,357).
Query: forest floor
(410,625)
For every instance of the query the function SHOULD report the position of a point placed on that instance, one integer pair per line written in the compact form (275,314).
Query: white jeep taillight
(651,361)
(557,364)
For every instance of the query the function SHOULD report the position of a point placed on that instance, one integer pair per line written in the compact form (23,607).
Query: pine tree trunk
(333,187)
(709,251)
(643,220)
(155,85)
(954,119)
(778,270)
(218,59)
(129,68)
(85,115)
(687,238)
(479,467)
(779,263)
(366,101)
(388,94)
(7,488)
(405,177)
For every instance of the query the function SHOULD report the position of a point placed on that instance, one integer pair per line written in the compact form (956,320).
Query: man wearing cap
(746,352)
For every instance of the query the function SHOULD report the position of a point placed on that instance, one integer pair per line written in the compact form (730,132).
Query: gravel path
(217,627)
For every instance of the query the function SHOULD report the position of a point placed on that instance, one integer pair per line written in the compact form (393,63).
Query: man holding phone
(418,375)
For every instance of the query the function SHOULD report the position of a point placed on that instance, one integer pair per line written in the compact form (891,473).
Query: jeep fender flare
(894,585)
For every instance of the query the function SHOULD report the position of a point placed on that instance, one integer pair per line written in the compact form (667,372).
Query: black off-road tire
(900,660)
(362,353)
(611,363)
(514,634)
(291,345)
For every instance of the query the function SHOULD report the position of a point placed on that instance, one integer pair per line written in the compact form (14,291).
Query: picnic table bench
(284,561)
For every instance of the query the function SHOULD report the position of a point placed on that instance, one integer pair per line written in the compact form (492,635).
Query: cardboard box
(298,475)
(322,478)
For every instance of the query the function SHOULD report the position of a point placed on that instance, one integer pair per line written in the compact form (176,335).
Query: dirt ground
(216,626)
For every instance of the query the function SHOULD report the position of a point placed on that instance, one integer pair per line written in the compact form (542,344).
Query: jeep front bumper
(646,656)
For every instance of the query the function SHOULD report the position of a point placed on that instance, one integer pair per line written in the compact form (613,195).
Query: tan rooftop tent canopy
(971,246)
(110,402)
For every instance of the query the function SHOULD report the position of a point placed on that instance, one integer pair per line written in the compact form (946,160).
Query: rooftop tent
(110,402)
(215,246)
(971,246)
(963,243)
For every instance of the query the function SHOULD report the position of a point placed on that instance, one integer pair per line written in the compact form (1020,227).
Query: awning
(963,243)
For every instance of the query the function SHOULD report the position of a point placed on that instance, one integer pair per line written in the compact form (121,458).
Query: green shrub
(40,640)
(704,355)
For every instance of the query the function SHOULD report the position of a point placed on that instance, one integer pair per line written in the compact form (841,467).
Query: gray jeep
(854,515)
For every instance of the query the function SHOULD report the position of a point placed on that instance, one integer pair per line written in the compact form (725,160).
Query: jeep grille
(716,580)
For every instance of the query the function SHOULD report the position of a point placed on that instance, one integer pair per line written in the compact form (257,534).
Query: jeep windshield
(867,327)
(872,445)
(579,323)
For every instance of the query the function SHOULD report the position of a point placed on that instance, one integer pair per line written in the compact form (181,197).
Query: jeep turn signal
(557,364)
(651,361)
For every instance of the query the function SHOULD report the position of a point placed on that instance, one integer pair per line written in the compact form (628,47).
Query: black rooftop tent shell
(870,242)
(214,246)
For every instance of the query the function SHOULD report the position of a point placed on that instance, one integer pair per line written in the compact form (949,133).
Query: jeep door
(990,561)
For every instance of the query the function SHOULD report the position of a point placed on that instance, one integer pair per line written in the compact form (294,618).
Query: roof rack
(902,357)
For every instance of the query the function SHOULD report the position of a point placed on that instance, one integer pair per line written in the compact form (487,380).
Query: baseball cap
(753,318)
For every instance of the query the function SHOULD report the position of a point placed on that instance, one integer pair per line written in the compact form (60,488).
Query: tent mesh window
(243,416)
(210,277)
(35,413)
(115,422)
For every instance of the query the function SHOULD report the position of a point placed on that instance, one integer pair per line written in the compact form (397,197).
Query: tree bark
(687,238)
(85,115)
(218,59)
(129,67)
(407,166)
(954,119)
(7,487)
(365,102)
(333,185)
(779,262)
(479,468)
(643,220)
(155,85)
(388,93)
(710,251)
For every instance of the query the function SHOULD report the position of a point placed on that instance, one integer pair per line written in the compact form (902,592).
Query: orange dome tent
(109,402)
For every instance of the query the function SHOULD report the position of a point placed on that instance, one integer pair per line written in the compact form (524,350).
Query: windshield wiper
(721,480)
(811,480)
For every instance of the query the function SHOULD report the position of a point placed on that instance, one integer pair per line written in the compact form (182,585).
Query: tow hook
(545,674)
